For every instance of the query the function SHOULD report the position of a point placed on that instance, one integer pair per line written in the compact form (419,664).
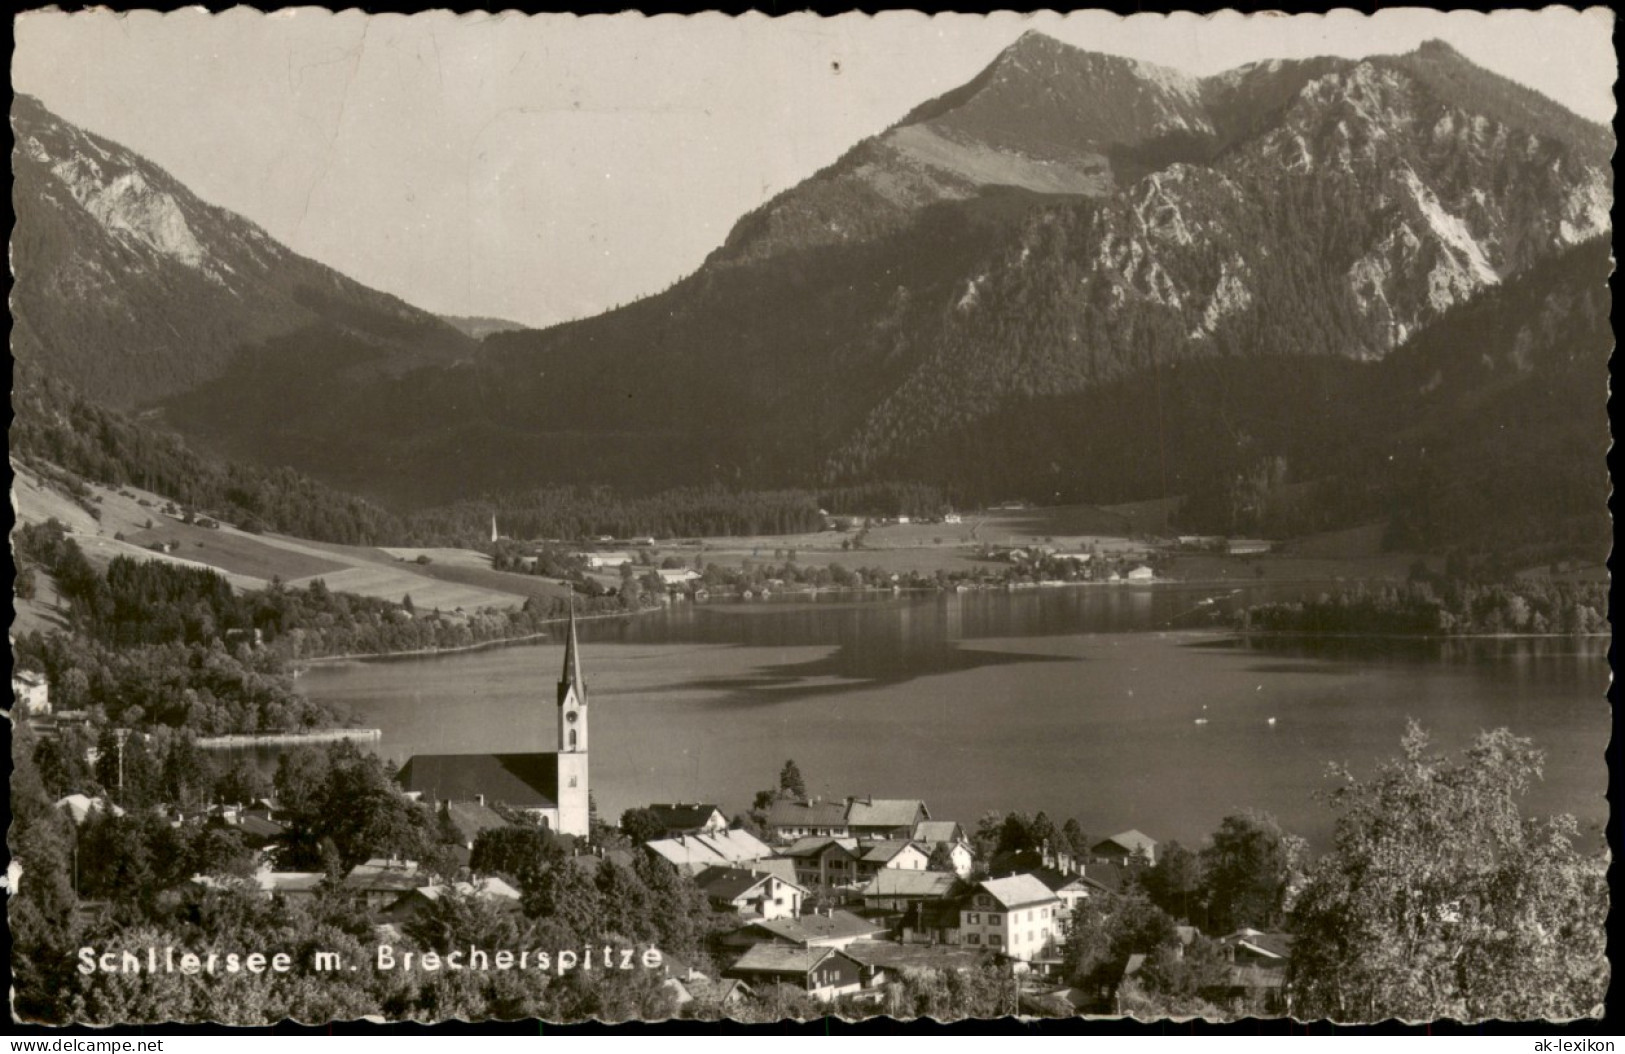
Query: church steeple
(572,694)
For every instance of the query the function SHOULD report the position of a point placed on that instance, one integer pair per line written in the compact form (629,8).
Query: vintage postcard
(742,519)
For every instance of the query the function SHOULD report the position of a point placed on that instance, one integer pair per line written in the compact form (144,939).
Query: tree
(1441,899)
(641,825)
(790,781)
(942,859)
(1246,866)
(1174,883)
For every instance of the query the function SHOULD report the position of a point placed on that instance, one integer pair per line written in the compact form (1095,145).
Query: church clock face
(570,717)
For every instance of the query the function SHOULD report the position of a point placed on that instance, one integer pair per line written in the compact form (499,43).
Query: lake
(1082,702)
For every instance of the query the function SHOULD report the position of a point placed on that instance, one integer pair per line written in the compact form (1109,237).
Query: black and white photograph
(821,518)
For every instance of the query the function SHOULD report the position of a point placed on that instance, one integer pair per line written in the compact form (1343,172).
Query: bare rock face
(133,289)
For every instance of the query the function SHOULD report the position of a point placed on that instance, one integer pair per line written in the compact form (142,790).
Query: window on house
(971,918)
(994,938)
(973,938)
(994,920)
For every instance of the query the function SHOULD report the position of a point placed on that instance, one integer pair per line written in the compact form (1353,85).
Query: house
(1126,848)
(897,854)
(1108,878)
(489,890)
(600,561)
(896,890)
(747,892)
(1257,973)
(932,833)
(685,818)
(380,882)
(79,807)
(1141,574)
(1247,546)
(1018,917)
(825,865)
(789,820)
(257,831)
(32,692)
(699,989)
(694,853)
(1073,889)
(823,973)
(677,577)
(292,885)
(831,928)
(950,517)
(884,817)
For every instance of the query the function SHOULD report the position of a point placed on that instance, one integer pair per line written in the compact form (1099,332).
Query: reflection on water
(1081,702)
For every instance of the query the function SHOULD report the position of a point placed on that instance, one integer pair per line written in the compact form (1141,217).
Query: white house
(747,892)
(32,692)
(1017,916)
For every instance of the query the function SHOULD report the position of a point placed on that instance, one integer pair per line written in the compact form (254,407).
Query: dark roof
(727,883)
(1126,843)
(789,813)
(1056,880)
(883,851)
(934,831)
(259,827)
(524,781)
(683,817)
(1112,878)
(816,846)
(886,812)
(470,818)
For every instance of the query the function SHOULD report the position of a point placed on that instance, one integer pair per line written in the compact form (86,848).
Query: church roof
(571,677)
(522,781)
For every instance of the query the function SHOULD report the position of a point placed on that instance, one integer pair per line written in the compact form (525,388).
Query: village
(834,900)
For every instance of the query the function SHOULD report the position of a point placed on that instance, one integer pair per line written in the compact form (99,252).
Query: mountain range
(1075,276)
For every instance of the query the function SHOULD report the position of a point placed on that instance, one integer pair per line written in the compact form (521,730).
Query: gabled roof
(684,816)
(893,882)
(882,851)
(260,827)
(1267,945)
(1056,880)
(289,881)
(790,813)
(1112,878)
(810,847)
(1017,891)
(886,812)
(730,883)
(1129,841)
(706,850)
(488,888)
(524,781)
(805,929)
(78,807)
(779,867)
(780,958)
(933,831)
(381,875)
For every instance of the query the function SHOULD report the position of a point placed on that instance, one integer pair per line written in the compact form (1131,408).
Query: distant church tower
(493,528)
(572,794)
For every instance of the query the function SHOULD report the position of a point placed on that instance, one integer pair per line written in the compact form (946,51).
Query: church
(550,787)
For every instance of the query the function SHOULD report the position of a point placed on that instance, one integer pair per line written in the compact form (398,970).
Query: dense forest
(1441,608)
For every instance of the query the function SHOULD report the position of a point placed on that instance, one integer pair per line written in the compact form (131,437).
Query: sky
(542,168)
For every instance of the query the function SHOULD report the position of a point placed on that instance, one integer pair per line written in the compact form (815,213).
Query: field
(454,578)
